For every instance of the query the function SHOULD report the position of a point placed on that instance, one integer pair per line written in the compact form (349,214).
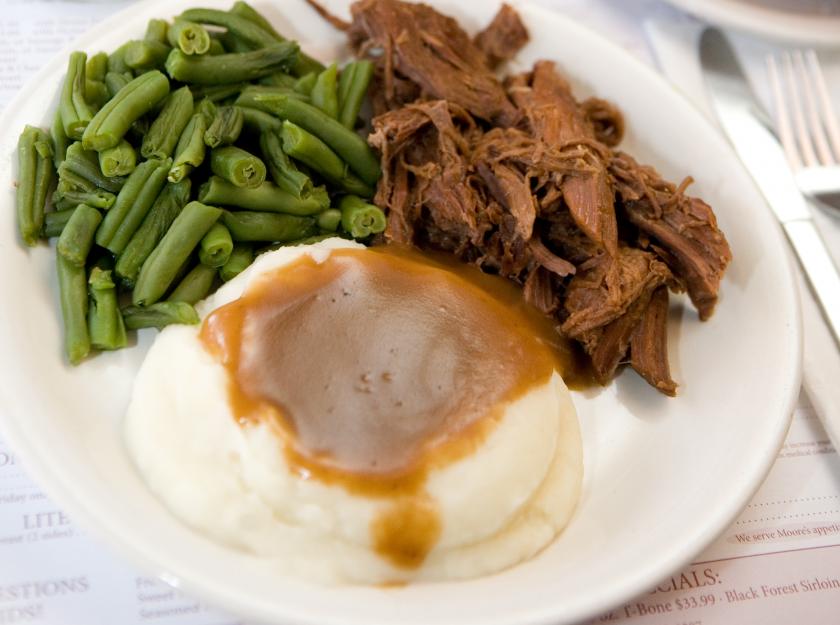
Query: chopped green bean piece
(165,131)
(305,84)
(360,219)
(55,221)
(329,220)
(237,166)
(191,150)
(232,67)
(161,267)
(35,176)
(116,60)
(146,54)
(324,92)
(137,98)
(157,30)
(119,160)
(105,323)
(189,37)
(352,87)
(159,315)
(73,293)
(259,121)
(65,198)
(76,113)
(216,246)
(283,171)
(60,139)
(216,93)
(76,238)
(85,164)
(267,197)
(97,67)
(195,286)
(240,259)
(247,226)
(225,127)
(114,82)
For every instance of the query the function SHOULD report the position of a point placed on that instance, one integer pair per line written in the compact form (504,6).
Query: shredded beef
(503,37)
(521,179)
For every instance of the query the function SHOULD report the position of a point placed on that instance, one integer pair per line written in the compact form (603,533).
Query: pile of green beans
(176,159)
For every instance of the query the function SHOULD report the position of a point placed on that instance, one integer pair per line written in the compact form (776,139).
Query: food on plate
(515,175)
(160,184)
(351,431)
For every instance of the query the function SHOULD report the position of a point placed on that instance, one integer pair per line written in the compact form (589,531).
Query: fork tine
(814,123)
(828,115)
(802,137)
(782,118)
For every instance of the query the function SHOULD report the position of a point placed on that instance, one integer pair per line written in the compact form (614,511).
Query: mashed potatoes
(496,506)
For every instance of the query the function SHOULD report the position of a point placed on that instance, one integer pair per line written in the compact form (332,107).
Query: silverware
(807,125)
(765,159)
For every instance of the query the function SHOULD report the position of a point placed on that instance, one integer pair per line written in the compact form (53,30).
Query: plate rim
(61,492)
(753,20)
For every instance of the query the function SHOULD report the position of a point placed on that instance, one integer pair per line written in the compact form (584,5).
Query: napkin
(675,41)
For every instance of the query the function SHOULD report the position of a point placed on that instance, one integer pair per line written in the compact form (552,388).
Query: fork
(809,131)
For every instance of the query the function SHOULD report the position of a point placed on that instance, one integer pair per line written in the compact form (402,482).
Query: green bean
(195,286)
(54,222)
(260,121)
(237,166)
(189,37)
(159,315)
(280,79)
(216,47)
(232,67)
(225,127)
(359,218)
(165,131)
(76,238)
(97,198)
(324,92)
(60,139)
(119,160)
(157,30)
(284,173)
(306,83)
(207,109)
(352,88)
(114,82)
(85,164)
(72,288)
(248,97)
(133,202)
(97,67)
(232,43)
(346,143)
(35,161)
(162,265)
(166,208)
(190,151)
(266,197)
(76,113)
(243,9)
(246,226)
(240,259)
(314,153)
(216,246)
(215,93)
(329,220)
(252,33)
(96,93)
(133,101)
(105,322)
(146,54)
(116,60)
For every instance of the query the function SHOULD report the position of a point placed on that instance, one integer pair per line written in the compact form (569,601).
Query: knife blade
(734,104)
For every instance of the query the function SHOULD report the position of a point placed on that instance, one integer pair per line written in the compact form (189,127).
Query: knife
(734,104)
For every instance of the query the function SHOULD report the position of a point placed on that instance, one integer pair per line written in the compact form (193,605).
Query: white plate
(663,476)
(794,21)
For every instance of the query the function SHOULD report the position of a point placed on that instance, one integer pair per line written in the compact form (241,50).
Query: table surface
(779,562)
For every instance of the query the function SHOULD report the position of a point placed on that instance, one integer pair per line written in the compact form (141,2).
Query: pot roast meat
(556,119)
(521,179)
(434,52)
(649,344)
(503,37)
(685,227)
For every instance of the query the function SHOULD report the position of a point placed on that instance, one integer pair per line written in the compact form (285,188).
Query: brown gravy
(376,365)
